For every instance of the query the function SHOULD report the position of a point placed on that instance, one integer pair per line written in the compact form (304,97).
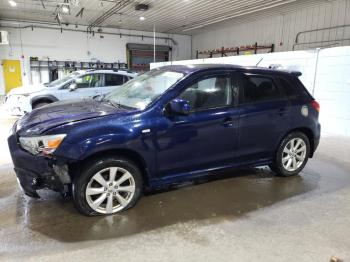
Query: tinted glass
(113,80)
(65,79)
(209,93)
(126,79)
(89,81)
(144,89)
(259,88)
(288,88)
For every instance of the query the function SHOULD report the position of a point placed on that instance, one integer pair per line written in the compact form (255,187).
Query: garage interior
(247,214)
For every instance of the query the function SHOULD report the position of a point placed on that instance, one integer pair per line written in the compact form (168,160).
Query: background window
(114,80)
(260,88)
(91,80)
(209,93)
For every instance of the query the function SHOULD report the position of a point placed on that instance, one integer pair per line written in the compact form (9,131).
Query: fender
(43,97)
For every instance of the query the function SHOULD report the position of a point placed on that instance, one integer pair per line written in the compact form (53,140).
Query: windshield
(62,80)
(144,89)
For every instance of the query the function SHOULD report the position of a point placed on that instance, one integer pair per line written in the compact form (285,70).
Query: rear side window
(258,88)
(288,88)
(114,80)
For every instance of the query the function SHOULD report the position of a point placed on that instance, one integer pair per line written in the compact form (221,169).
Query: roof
(111,71)
(188,69)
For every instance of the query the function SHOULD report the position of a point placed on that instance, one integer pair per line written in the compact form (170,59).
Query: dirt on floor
(244,215)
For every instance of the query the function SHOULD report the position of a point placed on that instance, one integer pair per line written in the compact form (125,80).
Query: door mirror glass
(72,87)
(179,106)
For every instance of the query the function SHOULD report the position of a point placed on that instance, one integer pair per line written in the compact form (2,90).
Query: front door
(207,137)
(88,85)
(12,74)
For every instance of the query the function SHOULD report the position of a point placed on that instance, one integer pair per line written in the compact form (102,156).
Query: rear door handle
(228,122)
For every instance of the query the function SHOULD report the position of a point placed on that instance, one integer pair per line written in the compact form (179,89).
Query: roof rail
(124,70)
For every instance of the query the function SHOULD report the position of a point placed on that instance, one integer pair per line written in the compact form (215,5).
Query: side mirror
(179,106)
(72,87)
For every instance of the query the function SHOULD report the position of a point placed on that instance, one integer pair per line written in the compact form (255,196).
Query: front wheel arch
(133,156)
(43,99)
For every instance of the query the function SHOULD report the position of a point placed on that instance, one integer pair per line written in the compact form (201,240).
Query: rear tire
(107,186)
(292,155)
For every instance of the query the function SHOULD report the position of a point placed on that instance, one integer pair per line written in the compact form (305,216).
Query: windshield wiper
(116,105)
(102,98)
(124,106)
(99,98)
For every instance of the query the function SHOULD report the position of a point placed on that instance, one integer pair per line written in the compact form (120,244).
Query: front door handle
(282,111)
(228,122)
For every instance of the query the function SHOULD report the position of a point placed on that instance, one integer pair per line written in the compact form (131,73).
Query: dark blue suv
(164,127)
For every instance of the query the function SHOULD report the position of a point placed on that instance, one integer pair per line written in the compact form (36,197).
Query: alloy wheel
(294,154)
(110,190)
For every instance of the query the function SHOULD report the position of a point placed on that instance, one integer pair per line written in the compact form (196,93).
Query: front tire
(40,104)
(107,186)
(292,154)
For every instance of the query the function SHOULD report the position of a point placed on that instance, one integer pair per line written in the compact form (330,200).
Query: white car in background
(79,84)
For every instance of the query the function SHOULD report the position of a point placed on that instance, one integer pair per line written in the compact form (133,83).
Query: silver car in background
(79,84)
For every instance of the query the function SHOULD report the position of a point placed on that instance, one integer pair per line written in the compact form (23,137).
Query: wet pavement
(245,215)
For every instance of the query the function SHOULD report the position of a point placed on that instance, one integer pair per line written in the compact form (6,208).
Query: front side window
(259,88)
(144,89)
(114,80)
(89,81)
(63,80)
(209,93)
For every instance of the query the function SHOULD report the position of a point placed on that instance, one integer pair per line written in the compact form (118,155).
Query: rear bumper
(38,172)
(317,137)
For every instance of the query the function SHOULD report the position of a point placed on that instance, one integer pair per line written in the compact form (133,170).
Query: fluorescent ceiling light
(12,3)
(142,18)
(65,9)
(238,14)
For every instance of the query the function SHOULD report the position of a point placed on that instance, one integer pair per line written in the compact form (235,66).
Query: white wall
(330,87)
(75,46)
(280,28)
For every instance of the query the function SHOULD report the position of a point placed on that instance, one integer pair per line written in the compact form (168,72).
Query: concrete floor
(250,215)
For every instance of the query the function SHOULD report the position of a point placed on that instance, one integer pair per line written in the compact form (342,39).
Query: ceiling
(168,16)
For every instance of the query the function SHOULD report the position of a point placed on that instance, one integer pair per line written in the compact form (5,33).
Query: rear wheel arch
(307,131)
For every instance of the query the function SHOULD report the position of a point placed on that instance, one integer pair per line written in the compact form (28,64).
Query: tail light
(316,105)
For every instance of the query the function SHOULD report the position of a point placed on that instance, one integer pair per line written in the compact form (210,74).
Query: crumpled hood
(59,113)
(27,89)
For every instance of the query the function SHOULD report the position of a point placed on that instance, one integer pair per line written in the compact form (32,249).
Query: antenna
(259,61)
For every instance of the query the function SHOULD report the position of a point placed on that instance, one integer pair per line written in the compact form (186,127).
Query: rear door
(263,120)
(112,81)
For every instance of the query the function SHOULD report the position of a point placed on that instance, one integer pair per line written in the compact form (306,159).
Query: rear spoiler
(296,73)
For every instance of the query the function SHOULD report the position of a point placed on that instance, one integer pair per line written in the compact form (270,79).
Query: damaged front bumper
(38,172)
